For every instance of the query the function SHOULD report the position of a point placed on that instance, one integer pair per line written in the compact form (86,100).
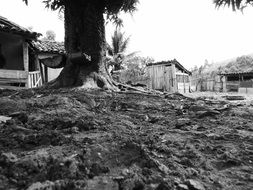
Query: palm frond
(54,4)
(124,44)
(26,2)
(235,4)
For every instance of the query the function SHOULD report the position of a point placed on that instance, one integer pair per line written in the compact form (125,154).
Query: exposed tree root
(84,76)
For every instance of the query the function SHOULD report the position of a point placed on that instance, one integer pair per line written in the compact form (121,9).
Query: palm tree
(235,4)
(116,51)
(85,39)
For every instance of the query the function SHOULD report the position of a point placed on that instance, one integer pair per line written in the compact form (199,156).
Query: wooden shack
(26,62)
(169,76)
(15,67)
(241,82)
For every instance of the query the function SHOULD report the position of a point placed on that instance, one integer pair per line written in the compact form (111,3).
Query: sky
(189,31)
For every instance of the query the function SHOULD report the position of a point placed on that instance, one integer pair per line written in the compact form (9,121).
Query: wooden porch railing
(34,79)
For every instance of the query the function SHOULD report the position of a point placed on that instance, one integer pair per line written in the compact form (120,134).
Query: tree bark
(84,35)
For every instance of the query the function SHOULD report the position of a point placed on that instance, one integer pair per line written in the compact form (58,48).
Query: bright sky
(190,31)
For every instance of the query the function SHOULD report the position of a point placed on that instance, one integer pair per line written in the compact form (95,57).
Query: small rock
(125,172)
(74,129)
(3,119)
(163,168)
(195,185)
(195,127)
(8,158)
(182,187)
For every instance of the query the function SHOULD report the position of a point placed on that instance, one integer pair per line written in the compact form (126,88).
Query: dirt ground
(73,139)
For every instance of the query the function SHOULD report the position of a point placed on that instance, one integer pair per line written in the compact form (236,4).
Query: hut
(241,82)
(169,76)
(14,62)
(26,62)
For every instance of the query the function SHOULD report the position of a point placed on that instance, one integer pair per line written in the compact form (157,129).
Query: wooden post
(224,83)
(37,63)
(174,78)
(152,76)
(167,79)
(184,82)
(46,73)
(190,83)
(164,78)
(26,61)
(150,69)
(41,72)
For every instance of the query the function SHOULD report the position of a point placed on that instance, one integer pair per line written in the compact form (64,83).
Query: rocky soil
(73,139)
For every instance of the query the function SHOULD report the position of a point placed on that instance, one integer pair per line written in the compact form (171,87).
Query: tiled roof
(11,27)
(49,46)
(174,61)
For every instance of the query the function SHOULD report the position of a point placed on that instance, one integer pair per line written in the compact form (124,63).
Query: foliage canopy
(111,7)
(235,4)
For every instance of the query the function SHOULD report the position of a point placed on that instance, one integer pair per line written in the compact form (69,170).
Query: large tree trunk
(84,34)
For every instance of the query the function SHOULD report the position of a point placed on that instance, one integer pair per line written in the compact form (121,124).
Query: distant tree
(136,70)
(240,64)
(219,70)
(139,62)
(201,76)
(235,4)
(195,68)
(201,69)
(116,50)
(50,35)
(85,39)
(206,63)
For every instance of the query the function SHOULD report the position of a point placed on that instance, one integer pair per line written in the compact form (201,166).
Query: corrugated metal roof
(49,46)
(237,73)
(11,27)
(174,61)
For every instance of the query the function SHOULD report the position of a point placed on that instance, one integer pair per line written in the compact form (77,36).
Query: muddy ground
(74,139)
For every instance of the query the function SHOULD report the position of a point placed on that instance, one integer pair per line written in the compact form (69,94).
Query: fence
(34,79)
(206,84)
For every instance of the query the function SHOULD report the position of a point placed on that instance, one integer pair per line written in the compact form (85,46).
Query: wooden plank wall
(26,59)
(164,78)
(156,74)
(12,76)
(168,79)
